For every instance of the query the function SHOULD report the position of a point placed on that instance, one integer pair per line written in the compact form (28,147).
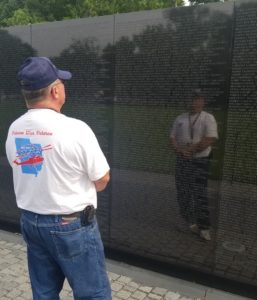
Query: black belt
(73,215)
(86,215)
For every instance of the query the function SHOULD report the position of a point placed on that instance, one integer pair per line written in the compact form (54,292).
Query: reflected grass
(132,137)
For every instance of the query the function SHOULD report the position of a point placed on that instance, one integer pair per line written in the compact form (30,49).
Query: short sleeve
(211,126)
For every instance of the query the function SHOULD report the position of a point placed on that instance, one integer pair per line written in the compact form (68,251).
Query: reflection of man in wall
(192,136)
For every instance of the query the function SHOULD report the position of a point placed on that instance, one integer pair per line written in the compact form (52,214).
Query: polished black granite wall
(132,75)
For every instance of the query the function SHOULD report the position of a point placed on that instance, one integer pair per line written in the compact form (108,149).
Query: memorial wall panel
(161,58)
(236,242)
(85,47)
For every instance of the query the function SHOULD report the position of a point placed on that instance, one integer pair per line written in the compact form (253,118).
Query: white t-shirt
(190,129)
(55,160)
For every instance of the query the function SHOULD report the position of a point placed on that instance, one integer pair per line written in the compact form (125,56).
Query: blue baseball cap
(39,72)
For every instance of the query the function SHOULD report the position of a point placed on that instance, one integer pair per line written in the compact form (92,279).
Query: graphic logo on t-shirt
(29,156)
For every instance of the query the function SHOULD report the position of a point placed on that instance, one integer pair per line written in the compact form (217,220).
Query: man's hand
(187,152)
(101,183)
(184,151)
(203,144)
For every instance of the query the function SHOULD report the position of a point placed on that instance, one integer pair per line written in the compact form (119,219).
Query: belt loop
(56,218)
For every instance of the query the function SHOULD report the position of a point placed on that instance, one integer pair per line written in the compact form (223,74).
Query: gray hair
(32,97)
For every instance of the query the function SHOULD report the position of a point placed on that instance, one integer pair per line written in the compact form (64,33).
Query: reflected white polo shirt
(190,129)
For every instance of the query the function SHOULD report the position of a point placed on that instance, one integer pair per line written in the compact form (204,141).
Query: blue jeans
(59,249)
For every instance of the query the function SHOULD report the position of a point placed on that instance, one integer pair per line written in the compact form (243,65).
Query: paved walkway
(128,282)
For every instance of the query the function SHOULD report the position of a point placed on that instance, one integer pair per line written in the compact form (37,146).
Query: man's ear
(54,92)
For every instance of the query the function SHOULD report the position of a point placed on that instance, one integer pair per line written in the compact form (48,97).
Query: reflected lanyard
(192,124)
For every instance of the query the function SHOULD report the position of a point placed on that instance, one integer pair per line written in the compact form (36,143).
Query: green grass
(138,136)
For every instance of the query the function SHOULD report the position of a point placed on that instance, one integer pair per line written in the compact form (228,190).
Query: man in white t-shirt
(58,168)
(192,136)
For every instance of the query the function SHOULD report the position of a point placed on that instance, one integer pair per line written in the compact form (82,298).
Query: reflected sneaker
(194,228)
(205,234)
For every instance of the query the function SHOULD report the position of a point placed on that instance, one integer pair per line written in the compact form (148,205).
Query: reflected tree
(90,91)
(12,53)
(83,59)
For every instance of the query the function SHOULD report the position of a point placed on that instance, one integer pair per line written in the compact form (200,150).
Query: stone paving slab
(14,279)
